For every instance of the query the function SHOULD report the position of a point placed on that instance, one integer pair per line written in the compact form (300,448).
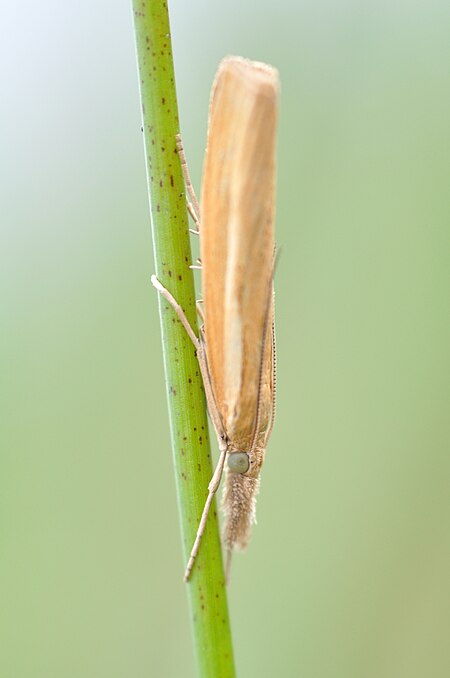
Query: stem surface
(185,394)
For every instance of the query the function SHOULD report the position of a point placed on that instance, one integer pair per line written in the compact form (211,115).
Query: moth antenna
(274,376)
(260,380)
(261,362)
(187,180)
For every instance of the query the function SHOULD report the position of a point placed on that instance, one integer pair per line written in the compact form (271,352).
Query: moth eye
(238,462)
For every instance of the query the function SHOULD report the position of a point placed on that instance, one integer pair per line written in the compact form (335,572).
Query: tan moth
(236,346)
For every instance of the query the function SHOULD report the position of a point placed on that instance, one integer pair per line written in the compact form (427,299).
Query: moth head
(238,462)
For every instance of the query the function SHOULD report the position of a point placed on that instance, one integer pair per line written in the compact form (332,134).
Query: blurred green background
(348,571)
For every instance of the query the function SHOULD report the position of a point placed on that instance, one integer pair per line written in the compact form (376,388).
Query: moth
(236,343)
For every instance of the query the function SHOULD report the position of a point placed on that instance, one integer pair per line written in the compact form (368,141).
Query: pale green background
(347,575)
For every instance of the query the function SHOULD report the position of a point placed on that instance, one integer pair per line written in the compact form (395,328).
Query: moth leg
(212,489)
(213,410)
(202,361)
(200,310)
(198,266)
(193,207)
(194,216)
(213,413)
(223,447)
(177,308)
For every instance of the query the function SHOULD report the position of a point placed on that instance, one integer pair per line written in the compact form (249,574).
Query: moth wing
(237,241)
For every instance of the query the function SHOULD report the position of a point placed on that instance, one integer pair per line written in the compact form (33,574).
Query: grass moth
(236,345)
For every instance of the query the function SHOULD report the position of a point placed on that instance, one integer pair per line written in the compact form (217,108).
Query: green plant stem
(187,410)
